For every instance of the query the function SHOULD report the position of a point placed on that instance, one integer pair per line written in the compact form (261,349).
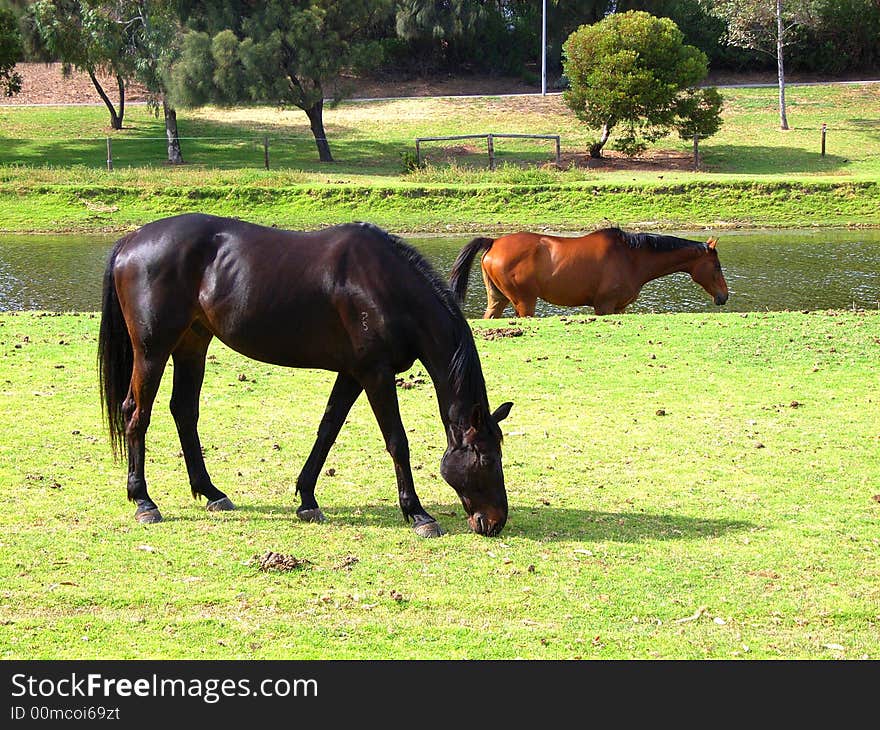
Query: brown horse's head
(472,467)
(706,271)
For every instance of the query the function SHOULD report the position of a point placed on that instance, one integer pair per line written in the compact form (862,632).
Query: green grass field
(681,486)
(53,176)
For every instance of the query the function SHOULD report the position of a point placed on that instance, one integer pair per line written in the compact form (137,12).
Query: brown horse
(605,269)
(351,299)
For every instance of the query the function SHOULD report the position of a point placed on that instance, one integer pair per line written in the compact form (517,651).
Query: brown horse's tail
(115,358)
(461,269)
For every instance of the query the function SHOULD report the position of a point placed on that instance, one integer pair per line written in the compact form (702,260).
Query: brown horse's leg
(137,408)
(189,372)
(525,307)
(382,392)
(496,301)
(345,392)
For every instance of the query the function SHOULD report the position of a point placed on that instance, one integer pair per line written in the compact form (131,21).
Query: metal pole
(490,144)
(824,127)
(543,47)
(109,155)
(418,154)
(266,151)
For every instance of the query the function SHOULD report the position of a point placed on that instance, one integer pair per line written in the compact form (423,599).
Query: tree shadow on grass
(215,145)
(765,160)
(544,525)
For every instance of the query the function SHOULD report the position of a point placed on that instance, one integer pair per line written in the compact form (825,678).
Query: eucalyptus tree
(281,52)
(768,26)
(153,31)
(83,35)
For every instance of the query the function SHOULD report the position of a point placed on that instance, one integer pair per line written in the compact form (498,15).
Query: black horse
(352,299)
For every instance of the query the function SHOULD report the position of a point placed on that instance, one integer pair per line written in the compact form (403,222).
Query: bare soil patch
(43,83)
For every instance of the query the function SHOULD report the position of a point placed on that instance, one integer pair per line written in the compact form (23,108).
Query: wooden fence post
(418,155)
(696,151)
(558,152)
(266,151)
(491,145)
(109,155)
(824,127)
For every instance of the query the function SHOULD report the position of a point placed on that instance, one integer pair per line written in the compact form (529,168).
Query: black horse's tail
(461,269)
(115,358)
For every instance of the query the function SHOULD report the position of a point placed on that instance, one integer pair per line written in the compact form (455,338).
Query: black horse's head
(472,467)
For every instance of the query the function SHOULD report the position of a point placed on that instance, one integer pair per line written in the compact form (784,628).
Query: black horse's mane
(421,266)
(654,241)
(465,370)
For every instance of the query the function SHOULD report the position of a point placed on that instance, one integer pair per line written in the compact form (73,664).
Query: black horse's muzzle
(721,298)
(485,524)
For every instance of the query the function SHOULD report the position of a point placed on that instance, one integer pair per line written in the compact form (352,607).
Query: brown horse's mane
(654,241)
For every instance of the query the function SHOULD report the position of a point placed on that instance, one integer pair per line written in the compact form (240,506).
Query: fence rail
(490,143)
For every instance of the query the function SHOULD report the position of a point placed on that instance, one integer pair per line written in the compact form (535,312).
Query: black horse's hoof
(224,504)
(148,516)
(311,515)
(429,529)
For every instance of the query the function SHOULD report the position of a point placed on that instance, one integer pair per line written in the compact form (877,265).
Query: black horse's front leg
(382,392)
(345,392)
(189,373)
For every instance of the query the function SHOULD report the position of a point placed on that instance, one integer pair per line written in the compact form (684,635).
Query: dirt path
(45,84)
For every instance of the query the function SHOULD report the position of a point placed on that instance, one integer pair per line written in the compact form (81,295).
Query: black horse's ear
(502,411)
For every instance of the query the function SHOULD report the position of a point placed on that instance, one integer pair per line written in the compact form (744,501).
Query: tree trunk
(315,113)
(174,155)
(783,120)
(115,118)
(596,147)
(120,84)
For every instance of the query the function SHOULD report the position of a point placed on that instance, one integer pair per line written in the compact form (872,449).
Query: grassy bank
(52,174)
(477,208)
(681,486)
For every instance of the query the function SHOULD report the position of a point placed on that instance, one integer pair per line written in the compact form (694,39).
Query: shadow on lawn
(765,160)
(212,144)
(544,524)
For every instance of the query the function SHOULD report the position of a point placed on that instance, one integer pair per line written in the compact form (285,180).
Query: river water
(766,270)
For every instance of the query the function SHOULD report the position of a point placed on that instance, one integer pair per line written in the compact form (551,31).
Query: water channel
(766,270)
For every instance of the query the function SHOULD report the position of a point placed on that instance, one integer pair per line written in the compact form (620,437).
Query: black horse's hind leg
(137,410)
(382,392)
(189,372)
(345,392)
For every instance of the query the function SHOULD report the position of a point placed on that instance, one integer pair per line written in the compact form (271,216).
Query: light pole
(544,47)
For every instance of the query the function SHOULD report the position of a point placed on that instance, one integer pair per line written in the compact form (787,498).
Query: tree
(279,51)
(630,70)
(10,52)
(153,33)
(767,26)
(76,33)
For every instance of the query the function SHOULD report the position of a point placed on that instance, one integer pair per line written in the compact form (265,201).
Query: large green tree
(85,36)
(10,52)
(631,71)
(281,51)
